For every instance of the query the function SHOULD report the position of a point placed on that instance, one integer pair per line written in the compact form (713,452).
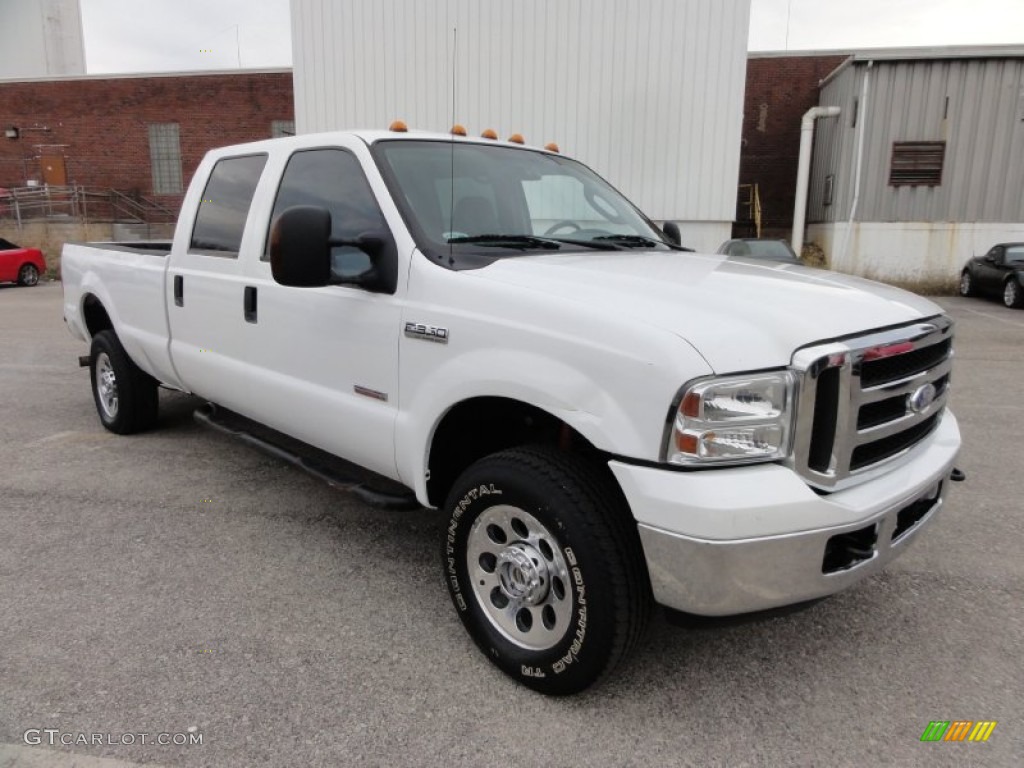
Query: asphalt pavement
(180,586)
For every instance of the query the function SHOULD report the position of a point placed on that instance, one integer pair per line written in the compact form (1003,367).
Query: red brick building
(780,89)
(142,135)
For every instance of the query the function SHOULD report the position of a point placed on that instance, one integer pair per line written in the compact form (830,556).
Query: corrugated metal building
(41,38)
(941,175)
(649,93)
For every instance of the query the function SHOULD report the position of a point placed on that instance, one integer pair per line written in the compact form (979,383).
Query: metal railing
(78,203)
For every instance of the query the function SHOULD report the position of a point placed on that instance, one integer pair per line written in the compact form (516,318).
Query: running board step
(367,486)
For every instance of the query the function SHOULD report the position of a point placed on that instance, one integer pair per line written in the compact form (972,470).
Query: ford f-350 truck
(607,421)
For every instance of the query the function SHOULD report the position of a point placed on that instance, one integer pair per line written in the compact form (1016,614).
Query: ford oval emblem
(922,398)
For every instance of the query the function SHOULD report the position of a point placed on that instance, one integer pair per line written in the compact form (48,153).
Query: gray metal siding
(647,92)
(983,172)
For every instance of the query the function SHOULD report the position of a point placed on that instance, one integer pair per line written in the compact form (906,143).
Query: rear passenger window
(220,220)
(331,179)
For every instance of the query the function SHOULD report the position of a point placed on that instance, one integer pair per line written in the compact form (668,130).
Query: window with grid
(279,128)
(165,158)
(917,163)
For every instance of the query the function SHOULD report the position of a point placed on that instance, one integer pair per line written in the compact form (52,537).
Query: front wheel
(126,397)
(545,568)
(1013,296)
(28,274)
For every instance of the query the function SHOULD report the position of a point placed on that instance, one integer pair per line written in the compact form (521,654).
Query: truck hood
(739,315)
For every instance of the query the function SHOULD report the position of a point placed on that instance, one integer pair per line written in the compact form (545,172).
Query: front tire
(28,275)
(966,284)
(1013,296)
(126,397)
(544,566)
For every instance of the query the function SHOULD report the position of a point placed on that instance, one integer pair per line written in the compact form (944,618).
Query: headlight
(734,419)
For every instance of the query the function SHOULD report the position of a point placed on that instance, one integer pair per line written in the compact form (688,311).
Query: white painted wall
(649,93)
(40,38)
(925,254)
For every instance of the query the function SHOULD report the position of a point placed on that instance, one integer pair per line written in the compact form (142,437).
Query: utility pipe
(803,171)
(862,117)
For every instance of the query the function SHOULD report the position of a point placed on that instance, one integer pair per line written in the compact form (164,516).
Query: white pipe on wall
(862,115)
(803,171)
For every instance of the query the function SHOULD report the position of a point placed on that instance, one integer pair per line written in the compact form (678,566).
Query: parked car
(753,248)
(1000,272)
(20,265)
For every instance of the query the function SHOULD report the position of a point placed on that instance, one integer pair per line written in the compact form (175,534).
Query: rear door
(328,356)
(210,337)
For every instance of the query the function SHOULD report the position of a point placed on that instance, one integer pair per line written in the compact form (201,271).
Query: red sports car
(20,265)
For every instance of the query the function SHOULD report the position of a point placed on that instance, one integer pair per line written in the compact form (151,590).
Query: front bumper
(730,541)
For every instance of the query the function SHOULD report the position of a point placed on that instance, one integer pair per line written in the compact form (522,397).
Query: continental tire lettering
(532,671)
(573,653)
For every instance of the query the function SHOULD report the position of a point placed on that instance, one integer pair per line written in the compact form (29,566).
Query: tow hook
(957,475)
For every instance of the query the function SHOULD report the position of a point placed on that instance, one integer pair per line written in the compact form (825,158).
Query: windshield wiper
(507,241)
(587,243)
(639,241)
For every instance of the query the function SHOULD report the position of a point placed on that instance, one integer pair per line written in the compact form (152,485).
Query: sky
(172,35)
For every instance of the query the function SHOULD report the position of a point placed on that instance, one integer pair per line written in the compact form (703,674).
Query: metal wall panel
(647,92)
(971,104)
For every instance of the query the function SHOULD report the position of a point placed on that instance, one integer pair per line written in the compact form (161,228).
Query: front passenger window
(332,179)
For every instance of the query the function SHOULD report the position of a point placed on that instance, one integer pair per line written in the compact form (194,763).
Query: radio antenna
(451,203)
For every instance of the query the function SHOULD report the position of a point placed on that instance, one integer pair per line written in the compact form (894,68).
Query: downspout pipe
(863,118)
(803,171)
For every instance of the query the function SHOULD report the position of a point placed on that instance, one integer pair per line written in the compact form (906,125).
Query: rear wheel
(28,274)
(545,568)
(1013,296)
(126,397)
(966,286)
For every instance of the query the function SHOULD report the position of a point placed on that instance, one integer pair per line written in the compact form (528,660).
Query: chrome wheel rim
(30,275)
(520,577)
(965,284)
(106,386)
(1010,294)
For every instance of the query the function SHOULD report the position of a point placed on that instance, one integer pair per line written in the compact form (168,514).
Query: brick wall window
(917,163)
(279,128)
(165,158)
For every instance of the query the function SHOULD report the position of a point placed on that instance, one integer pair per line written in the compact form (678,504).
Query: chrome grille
(864,402)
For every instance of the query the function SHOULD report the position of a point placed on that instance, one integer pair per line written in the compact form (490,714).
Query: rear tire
(28,275)
(544,566)
(966,284)
(1013,296)
(126,397)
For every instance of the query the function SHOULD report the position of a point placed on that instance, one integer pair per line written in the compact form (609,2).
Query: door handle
(179,291)
(249,304)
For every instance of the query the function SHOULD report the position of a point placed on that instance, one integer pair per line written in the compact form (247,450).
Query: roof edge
(143,75)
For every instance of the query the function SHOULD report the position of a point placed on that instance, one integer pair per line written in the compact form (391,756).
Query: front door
(54,171)
(329,356)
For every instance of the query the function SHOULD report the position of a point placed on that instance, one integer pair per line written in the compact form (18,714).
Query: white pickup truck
(607,421)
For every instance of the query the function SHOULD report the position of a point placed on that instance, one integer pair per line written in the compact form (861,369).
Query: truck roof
(370,136)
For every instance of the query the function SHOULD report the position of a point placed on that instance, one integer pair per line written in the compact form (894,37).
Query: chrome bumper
(722,578)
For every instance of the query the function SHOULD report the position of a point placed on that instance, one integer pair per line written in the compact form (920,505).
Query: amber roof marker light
(458,130)
(517,138)
(398,126)
(489,133)
(552,147)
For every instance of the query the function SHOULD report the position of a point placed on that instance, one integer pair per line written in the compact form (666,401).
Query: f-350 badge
(426,332)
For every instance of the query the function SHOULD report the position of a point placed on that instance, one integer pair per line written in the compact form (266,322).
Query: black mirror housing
(671,230)
(300,247)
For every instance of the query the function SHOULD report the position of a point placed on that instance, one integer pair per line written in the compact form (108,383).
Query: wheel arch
(95,315)
(482,425)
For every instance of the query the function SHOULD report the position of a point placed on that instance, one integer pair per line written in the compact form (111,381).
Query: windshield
(467,204)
